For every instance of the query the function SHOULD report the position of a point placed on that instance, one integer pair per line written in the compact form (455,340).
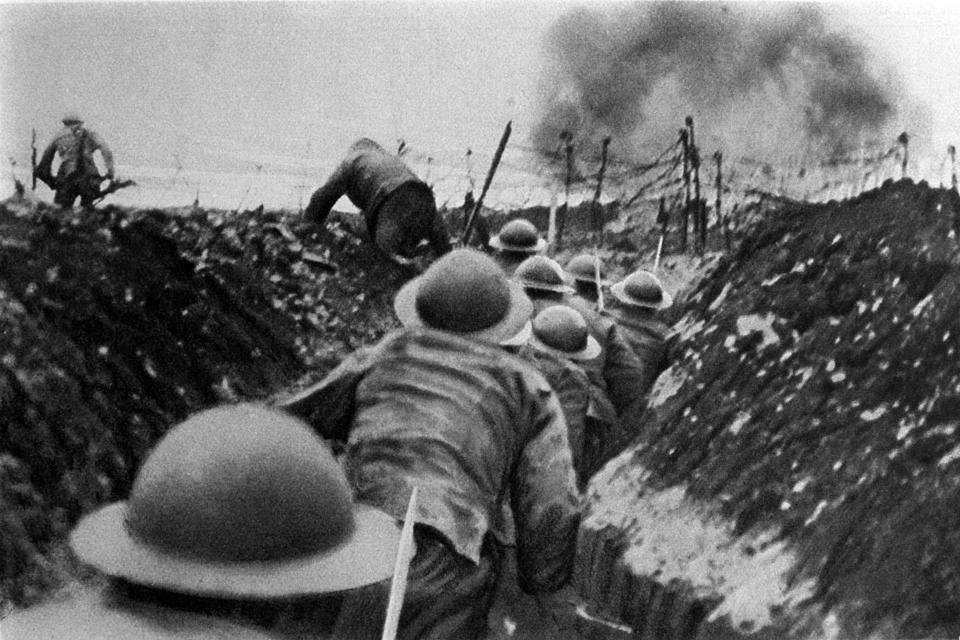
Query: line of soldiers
(495,399)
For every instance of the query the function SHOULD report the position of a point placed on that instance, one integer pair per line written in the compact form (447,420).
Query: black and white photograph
(479,319)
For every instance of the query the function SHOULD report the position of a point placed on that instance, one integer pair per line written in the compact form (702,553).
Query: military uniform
(398,208)
(586,408)
(466,422)
(646,335)
(77,175)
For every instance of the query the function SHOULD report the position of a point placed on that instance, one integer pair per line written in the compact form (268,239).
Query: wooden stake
(684,142)
(952,151)
(465,239)
(721,219)
(562,218)
(699,210)
(597,214)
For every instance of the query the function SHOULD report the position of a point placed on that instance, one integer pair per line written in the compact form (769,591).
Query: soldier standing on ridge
(240,520)
(78,175)
(442,406)
(398,208)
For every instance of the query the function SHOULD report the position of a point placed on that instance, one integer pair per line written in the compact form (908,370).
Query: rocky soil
(798,471)
(116,324)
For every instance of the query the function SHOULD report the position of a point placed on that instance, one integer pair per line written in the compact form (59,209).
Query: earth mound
(118,323)
(798,469)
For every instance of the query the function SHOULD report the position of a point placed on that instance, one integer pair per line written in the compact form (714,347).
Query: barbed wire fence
(529,176)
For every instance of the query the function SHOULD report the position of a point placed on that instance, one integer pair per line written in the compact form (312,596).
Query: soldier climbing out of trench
(239,521)
(77,175)
(442,406)
(398,209)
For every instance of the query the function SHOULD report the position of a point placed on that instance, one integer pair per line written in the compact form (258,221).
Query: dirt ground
(804,438)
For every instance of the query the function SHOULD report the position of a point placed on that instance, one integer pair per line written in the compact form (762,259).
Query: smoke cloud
(757,78)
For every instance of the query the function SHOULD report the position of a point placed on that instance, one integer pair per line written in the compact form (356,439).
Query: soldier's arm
(323,199)
(328,405)
(628,378)
(439,235)
(546,504)
(99,143)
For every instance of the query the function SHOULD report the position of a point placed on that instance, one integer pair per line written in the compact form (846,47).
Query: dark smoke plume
(758,78)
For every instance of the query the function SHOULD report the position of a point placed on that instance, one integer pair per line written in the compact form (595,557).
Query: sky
(233,86)
(172,78)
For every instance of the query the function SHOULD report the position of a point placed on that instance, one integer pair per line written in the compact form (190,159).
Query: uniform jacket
(74,155)
(369,176)
(467,423)
(647,337)
(584,404)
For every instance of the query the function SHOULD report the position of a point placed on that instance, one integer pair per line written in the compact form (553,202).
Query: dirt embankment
(804,441)
(116,324)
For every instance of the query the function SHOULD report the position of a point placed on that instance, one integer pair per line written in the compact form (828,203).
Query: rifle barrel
(33,157)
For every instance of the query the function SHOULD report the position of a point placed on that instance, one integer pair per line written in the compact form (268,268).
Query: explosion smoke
(768,77)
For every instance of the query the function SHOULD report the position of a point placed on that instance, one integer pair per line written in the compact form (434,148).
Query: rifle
(114,186)
(398,586)
(33,158)
(465,238)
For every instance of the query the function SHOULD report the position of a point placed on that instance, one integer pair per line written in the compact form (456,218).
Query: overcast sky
(165,79)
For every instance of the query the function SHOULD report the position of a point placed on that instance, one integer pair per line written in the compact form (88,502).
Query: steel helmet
(543,274)
(561,330)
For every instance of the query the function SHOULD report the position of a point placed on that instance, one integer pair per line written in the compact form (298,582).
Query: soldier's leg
(67,192)
(448,596)
(405,218)
(89,190)
(389,235)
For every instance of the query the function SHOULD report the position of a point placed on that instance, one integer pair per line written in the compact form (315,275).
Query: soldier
(517,241)
(582,269)
(239,519)
(440,405)
(617,370)
(78,175)
(636,300)
(398,208)
(559,345)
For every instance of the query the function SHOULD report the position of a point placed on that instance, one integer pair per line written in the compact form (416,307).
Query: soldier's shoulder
(100,614)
